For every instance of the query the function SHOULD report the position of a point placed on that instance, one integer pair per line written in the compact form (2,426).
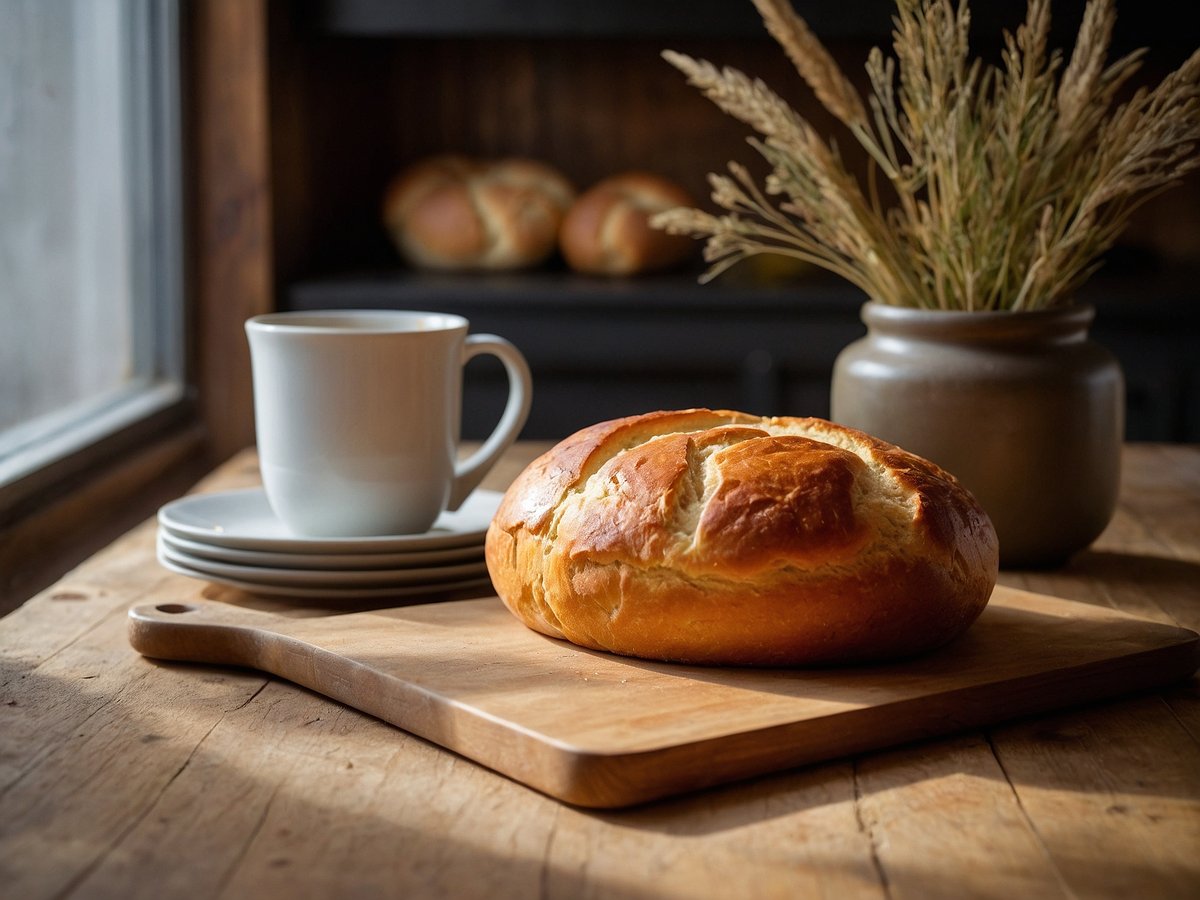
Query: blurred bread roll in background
(607,230)
(453,212)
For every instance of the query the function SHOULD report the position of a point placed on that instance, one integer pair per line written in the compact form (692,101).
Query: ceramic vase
(1023,408)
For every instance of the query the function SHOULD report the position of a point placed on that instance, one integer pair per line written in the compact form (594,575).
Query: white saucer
(337,561)
(244,520)
(342,578)
(333,593)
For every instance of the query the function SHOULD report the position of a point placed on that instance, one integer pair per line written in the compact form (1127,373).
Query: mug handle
(470,471)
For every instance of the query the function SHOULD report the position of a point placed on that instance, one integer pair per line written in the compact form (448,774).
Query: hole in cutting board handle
(175,608)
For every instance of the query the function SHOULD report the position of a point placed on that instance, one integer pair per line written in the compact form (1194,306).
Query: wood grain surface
(599,730)
(121,777)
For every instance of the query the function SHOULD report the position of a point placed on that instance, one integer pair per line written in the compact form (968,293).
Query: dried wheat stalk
(1010,181)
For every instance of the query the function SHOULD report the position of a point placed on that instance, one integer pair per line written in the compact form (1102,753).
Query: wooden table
(121,777)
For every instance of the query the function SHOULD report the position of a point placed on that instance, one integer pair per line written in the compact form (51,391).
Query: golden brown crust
(717,537)
(452,212)
(607,230)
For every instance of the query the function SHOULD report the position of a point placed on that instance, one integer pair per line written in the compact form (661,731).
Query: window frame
(71,510)
(49,452)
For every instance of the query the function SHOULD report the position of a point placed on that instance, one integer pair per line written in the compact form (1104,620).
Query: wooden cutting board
(599,730)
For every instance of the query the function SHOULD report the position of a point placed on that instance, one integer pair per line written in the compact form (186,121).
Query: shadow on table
(181,786)
(185,757)
(1148,573)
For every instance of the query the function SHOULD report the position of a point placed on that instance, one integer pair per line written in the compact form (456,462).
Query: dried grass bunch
(1007,183)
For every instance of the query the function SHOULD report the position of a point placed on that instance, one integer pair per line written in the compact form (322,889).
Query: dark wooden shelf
(602,348)
(1149,23)
(558,18)
(1132,293)
(552,289)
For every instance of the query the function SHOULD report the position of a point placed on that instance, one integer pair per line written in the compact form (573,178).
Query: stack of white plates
(234,538)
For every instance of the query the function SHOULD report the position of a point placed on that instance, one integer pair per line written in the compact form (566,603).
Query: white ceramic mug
(357,415)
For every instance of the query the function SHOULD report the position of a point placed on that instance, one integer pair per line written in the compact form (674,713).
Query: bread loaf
(724,538)
(607,230)
(451,212)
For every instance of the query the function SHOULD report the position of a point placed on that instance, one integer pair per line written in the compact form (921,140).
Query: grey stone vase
(1022,407)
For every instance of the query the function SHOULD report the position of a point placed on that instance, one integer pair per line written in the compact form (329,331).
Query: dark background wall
(360,88)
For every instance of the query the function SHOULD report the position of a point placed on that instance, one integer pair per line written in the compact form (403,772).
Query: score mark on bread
(716,537)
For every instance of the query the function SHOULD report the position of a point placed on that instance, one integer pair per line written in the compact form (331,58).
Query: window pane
(79,184)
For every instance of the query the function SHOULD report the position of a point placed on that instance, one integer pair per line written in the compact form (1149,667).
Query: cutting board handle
(202,631)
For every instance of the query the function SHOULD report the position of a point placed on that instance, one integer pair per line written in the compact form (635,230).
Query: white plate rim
(297,593)
(339,578)
(478,509)
(322,561)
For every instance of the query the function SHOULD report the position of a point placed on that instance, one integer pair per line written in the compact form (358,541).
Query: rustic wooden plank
(61,529)
(946,808)
(286,795)
(121,574)
(66,611)
(1184,702)
(1162,490)
(786,836)
(1163,483)
(113,733)
(408,819)
(1139,581)
(1113,794)
(289,749)
(1145,564)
